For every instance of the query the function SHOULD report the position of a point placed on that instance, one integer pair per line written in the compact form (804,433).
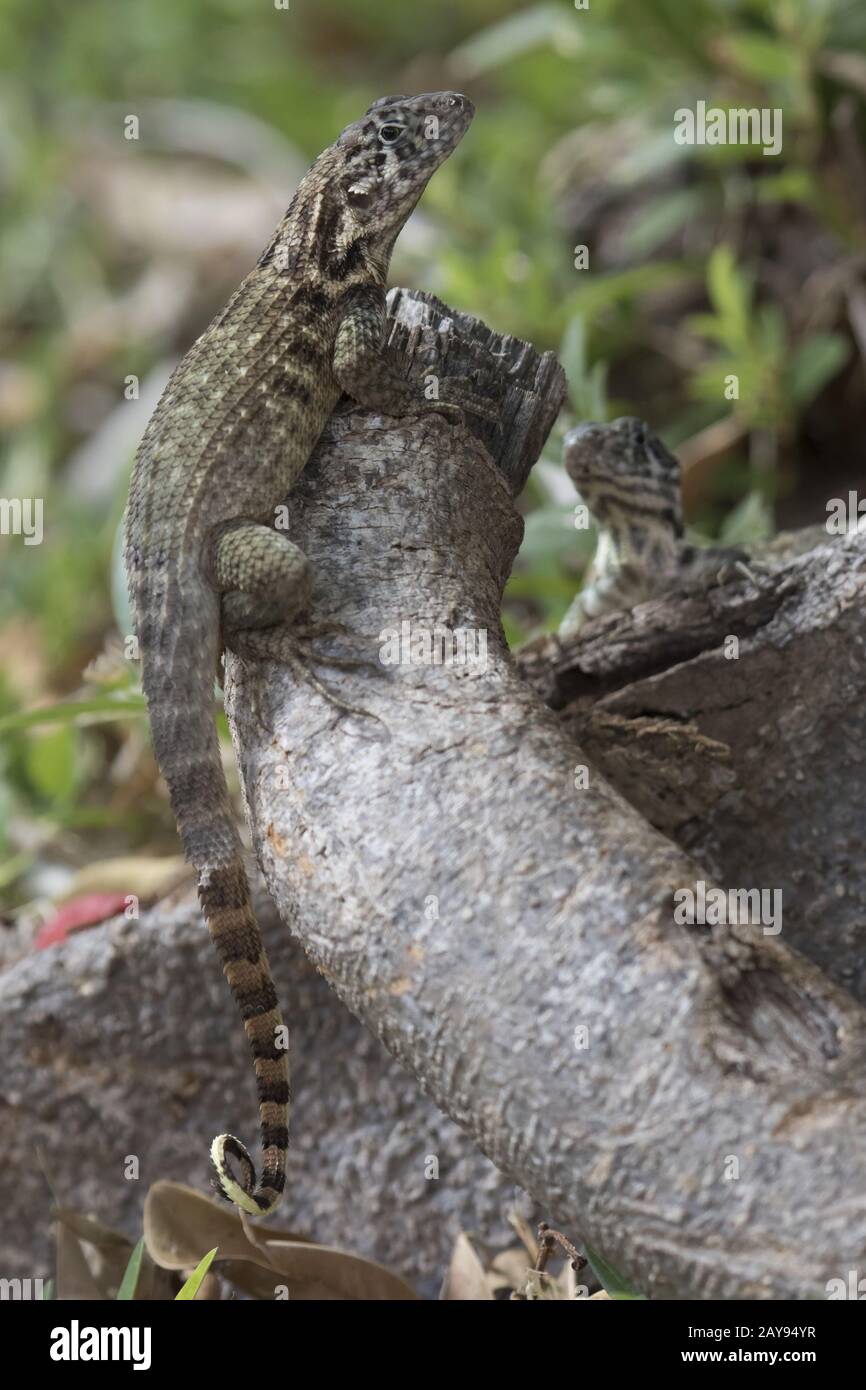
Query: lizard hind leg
(264,578)
(266,585)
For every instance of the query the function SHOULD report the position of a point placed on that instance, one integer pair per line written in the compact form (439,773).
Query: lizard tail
(179,693)
(225,901)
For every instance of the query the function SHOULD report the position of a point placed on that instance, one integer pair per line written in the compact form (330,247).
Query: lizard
(207,569)
(630,482)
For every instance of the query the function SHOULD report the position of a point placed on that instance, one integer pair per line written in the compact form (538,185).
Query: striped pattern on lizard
(631,484)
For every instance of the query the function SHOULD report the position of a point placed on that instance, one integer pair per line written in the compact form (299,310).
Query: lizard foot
(304,633)
(457,404)
(292,649)
(737,567)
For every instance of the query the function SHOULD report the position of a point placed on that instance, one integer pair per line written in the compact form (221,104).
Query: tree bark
(124,1043)
(486,914)
(750,756)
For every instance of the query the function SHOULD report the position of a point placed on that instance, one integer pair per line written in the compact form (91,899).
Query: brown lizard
(206,569)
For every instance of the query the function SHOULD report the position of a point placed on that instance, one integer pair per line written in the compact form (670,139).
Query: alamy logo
(714,907)
(22,516)
(737,126)
(844,517)
(416,645)
(853,1287)
(21,1290)
(77,1343)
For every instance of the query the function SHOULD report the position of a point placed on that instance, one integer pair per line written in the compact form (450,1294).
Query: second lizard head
(626,476)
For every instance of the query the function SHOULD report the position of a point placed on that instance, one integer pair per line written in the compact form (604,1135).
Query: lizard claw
(283,645)
(469,405)
(456,401)
(739,566)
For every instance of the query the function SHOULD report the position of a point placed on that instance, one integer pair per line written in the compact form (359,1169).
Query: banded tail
(225,900)
(178,663)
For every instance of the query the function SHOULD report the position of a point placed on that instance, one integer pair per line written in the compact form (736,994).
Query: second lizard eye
(390,134)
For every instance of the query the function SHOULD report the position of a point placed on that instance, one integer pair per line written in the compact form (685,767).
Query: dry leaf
(133,875)
(466,1279)
(112,1250)
(512,1265)
(310,1270)
(75,1281)
(264,1284)
(180,1224)
(524,1232)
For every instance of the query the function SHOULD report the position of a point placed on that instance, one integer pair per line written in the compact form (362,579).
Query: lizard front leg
(365,374)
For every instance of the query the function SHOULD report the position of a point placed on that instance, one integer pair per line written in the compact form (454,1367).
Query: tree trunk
(689,1100)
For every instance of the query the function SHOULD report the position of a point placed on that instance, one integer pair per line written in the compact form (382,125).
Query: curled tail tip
(255,1201)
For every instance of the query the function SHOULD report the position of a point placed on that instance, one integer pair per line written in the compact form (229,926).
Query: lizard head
(386,158)
(626,476)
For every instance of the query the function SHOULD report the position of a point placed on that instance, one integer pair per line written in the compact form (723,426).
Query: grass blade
(193,1283)
(126,1292)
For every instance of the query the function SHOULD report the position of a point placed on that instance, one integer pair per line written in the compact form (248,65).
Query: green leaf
(815,362)
(528,29)
(707,326)
(750,520)
(658,219)
(514,632)
(573,349)
(730,291)
(609,1278)
(708,382)
(605,291)
(51,762)
(13,868)
(193,1283)
(551,537)
(681,32)
(130,1276)
(69,711)
(119,587)
(586,385)
(763,58)
(541,586)
(772,334)
(791,186)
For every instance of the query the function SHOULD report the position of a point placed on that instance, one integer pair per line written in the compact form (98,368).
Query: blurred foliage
(704,263)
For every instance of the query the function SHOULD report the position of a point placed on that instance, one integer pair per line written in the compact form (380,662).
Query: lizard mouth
(453,111)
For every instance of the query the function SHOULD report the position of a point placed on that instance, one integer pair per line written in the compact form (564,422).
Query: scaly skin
(631,484)
(231,434)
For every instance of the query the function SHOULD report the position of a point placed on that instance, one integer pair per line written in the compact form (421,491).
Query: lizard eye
(389,134)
